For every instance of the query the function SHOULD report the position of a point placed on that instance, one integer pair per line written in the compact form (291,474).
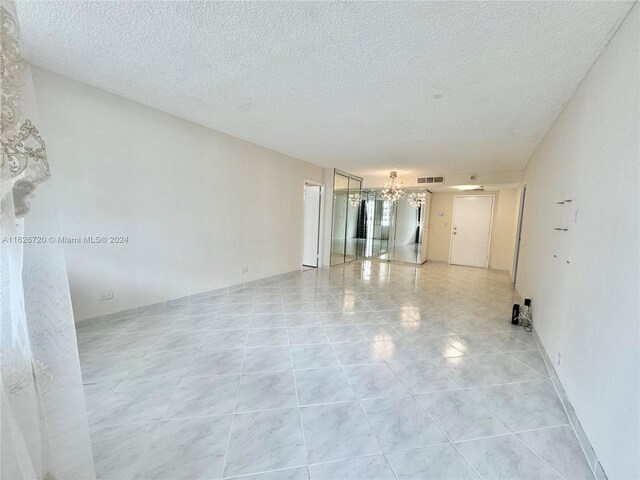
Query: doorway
(471,230)
(311,225)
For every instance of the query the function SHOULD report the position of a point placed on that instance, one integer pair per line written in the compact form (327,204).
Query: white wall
(587,311)
(503,231)
(197,205)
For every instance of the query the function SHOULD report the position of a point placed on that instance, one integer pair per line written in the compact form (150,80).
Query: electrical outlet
(245,269)
(105,296)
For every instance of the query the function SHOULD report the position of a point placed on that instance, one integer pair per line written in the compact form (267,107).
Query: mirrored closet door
(346,243)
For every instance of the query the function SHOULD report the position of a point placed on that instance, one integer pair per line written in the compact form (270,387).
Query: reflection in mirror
(353,215)
(367,225)
(375,223)
(339,229)
(406,234)
(397,232)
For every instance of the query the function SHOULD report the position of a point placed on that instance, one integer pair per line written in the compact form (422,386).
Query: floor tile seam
(530,400)
(295,388)
(483,341)
(446,435)
(170,419)
(486,410)
(514,433)
(549,427)
(425,411)
(441,371)
(235,405)
(503,382)
(510,350)
(247,475)
(524,397)
(521,362)
(540,458)
(146,449)
(347,459)
(421,406)
(176,387)
(357,400)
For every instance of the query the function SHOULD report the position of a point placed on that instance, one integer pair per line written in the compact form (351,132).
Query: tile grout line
(235,403)
(159,422)
(541,459)
(299,408)
(445,434)
(357,400)
(146,449)
(519,394)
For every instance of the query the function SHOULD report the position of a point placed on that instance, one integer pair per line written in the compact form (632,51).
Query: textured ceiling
(366,87)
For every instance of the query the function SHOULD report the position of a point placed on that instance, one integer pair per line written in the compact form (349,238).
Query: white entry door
(471,230)
(311,233)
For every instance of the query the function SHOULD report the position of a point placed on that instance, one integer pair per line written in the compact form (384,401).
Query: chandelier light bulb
(415,199)
(392,192)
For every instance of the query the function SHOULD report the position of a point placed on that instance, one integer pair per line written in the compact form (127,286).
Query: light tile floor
(368,370)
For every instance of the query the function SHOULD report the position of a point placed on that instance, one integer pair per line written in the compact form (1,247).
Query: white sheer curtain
(44,432)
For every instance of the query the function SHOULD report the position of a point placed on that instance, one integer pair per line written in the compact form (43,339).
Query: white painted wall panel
(587,311)
(197,205)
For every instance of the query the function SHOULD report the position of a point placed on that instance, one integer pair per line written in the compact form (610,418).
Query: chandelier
(415,199)
(392,192)
(354,200)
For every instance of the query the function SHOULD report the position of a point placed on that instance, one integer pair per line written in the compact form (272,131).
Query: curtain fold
(44,432)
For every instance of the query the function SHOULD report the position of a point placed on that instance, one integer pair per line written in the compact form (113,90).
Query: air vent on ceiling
(431,180)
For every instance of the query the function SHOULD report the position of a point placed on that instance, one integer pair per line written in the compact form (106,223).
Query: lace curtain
(44,432)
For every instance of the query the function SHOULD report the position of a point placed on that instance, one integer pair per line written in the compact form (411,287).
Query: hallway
(367,370)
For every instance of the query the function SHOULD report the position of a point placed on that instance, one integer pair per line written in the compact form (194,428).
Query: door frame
(313,183)
(516,253)
(453,219)
(426,228)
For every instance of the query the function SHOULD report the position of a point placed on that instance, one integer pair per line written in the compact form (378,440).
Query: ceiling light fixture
(415,200)
(392,192)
